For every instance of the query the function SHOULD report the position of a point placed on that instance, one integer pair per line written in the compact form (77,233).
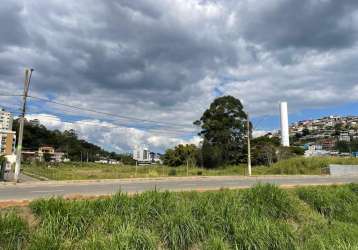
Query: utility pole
(136,168)
(187,166)
(248,147)
(28,74)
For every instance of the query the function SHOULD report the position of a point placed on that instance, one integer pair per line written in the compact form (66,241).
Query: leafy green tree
(37,135)
(299,151)
(264,150)
(181,155)
(347,147)
(2,167)
(223,127)
(305,132)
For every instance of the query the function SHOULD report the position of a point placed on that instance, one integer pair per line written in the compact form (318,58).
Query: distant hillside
(331,133)
(37,135)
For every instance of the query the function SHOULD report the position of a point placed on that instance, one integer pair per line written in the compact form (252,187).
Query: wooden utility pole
(28,74)
(248,147)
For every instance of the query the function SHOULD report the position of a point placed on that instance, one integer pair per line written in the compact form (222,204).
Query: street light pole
(248,147)
(28,74)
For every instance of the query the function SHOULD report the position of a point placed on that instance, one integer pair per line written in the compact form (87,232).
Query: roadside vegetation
(88,171)
(263,217)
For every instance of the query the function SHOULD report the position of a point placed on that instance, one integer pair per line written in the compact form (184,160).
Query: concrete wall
(343,169)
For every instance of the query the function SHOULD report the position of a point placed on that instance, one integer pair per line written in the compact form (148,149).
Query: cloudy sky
(157,64)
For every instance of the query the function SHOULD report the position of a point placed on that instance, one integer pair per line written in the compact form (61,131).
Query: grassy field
(263,217)
(85,171)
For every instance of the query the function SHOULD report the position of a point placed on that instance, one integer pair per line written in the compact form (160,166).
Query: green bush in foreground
(263,217)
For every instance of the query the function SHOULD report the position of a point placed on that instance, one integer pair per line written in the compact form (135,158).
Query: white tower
(285,139)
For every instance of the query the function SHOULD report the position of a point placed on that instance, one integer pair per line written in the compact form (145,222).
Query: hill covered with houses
(335,134)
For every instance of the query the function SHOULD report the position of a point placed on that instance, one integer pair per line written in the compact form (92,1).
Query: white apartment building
(7,142)
(142,155)
(5,120)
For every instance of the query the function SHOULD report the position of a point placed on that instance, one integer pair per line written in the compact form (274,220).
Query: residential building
(344,136)
(45,150)
(58,157)
(155,158)
(7,142)
(142,155)
(53,156)
(328,144)
(108,161)
(6,120)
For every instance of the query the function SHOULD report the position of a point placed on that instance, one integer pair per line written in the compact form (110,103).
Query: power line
(10,95)
(167,130)
(112,126)
(152,129)
(109,114)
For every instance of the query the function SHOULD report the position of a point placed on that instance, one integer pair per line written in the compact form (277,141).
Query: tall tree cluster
(37,135)
(224,132)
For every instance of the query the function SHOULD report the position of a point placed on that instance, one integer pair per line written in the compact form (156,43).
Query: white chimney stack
(285,139)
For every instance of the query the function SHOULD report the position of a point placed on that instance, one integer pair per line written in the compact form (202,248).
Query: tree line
(224,130)
(37,135)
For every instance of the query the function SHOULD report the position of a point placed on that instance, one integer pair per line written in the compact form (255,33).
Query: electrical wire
(113,126)
(109,114)
(167,130)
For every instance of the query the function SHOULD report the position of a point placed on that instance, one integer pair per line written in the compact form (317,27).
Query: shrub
(172,172)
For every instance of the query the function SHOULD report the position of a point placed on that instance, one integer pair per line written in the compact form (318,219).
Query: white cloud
(163,59)
(111,136)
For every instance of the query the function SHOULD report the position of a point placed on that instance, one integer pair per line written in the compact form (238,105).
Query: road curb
(183,178)
(26,202)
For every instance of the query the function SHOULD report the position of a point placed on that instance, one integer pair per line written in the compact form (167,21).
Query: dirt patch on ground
(7,204)
(28,216)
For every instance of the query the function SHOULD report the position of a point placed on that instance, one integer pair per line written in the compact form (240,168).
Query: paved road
(29,191)
(9,177)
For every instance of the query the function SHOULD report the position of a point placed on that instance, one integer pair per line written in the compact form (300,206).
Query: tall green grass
(13,231)
(85,171)
(304,166)
(338,203)
(263,217)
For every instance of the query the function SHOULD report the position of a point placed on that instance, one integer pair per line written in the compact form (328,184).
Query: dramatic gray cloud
(314,24)
(13,32)
(166,60)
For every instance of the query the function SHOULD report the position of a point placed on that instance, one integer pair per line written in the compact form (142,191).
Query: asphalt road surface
(34,190)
